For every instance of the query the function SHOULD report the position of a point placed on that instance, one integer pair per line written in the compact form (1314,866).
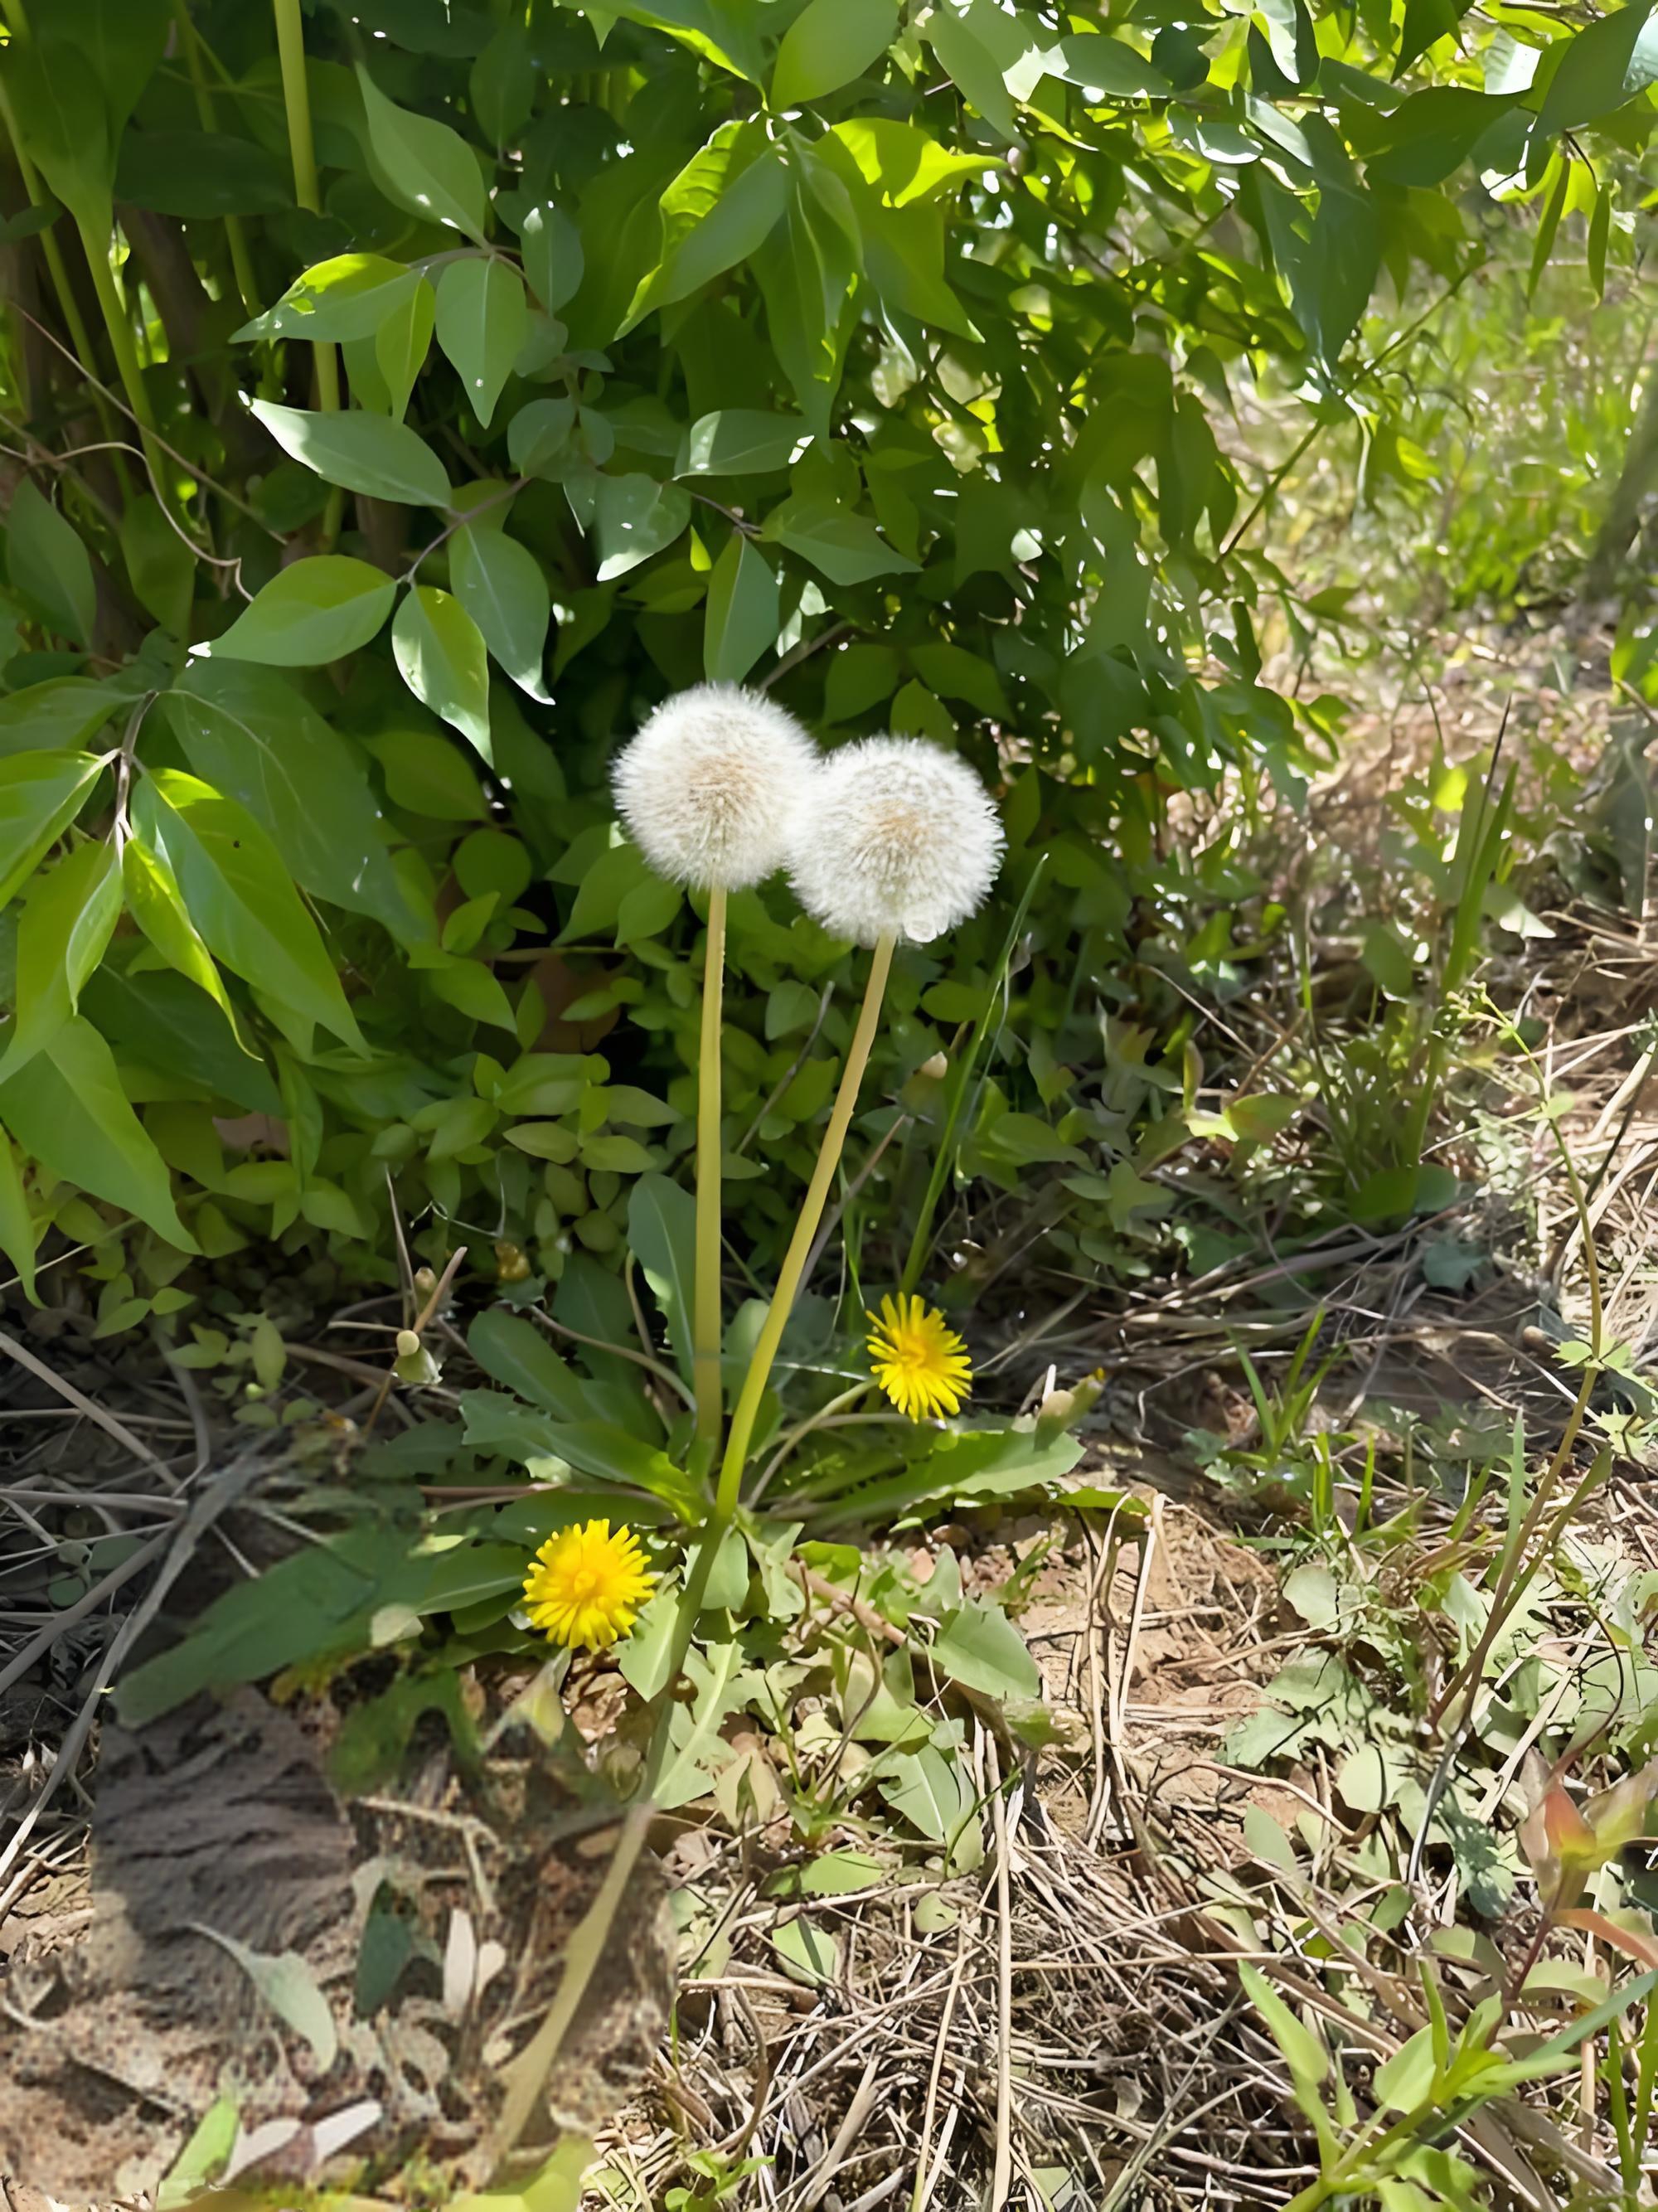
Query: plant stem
(235,236)
(705,1329)
(765,1351)
(114,307)
(296,97)
(805,1230)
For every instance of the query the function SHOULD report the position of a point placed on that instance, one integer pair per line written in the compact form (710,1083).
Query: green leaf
(64,712)
(426,773)
(593,1448)
(741,441)
(515,1352)
(901,245)
(347,297)
(553,259)
(741,619)
(1554,209)
(321,1599)
(719,1683)
(1606,192)
(973,41)
(807,270)
(662,1237)
(927,1789)
(721,208)
(202,2157)
(251,734)
(1607,62)
(403,338)
(807,1952)
(847,548)
(364,453)
(1303,2054)
(156,904)
(64,127)
(19,1239)
(289,1988)
(315,611)
(635,517)
(482,324)
(423,165)
(49,565)
(904,163)
(500,585)
(199,174)
(1426,21)
(1430,136)
(440,655)
(160,564)
(41,795)
(1332,277)
(978,1646)
(722,31)
(828,45)
(119,43)
(1406,2080)
(1105,68)
(1388,958)
(240,897)
(68,920)
(1391,1192)
(538,435)
(68,1110)
(501,88)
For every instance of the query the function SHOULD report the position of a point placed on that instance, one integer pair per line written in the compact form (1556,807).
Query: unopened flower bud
(512,1263)
(408,1343)
(934,1069)
(426,1281)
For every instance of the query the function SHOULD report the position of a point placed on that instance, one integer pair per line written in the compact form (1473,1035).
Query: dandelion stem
(741,1435)
(806,1230)
(706,1331)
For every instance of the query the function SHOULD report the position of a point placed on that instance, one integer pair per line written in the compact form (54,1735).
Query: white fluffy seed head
(710,786)
(899,835)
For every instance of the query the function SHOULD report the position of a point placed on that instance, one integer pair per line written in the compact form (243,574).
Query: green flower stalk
(896,839)
(708,790)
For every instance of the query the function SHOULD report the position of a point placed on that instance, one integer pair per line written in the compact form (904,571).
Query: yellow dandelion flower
(586,1586)
(918,1360)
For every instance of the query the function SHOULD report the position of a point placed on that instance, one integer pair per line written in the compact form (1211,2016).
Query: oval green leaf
(240,896)
(440,655)
(316,611)
(422,164)
(500,584)
(481,322)
(367,454)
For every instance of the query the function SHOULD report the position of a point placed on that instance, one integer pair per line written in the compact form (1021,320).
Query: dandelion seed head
(899,835)
(710,786)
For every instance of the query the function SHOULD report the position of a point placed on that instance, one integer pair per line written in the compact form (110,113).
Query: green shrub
(395,431)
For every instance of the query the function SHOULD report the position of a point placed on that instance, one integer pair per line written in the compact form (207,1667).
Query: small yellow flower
(586,1586)
(920,1361)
